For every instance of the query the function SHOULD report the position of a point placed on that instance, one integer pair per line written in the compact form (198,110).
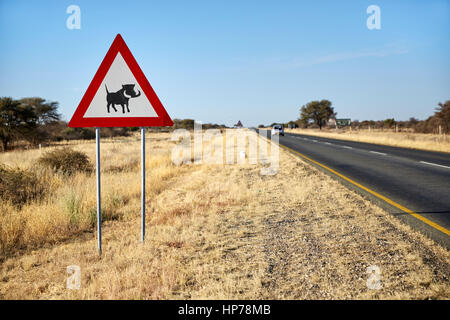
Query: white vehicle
(278,129)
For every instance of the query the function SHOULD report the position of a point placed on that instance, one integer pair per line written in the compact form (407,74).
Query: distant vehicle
(278,129)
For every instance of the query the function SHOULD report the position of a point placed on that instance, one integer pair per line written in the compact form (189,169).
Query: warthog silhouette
(121,97)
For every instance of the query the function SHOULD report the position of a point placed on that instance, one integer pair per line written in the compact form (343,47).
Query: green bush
(66,161)
(19,186)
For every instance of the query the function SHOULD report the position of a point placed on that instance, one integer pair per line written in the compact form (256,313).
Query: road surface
(415,179)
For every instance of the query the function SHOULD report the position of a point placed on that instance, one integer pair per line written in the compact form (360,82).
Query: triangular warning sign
(120,95)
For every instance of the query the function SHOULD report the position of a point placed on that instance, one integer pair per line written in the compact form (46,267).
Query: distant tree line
(316,114)
(35,120)
(189,124)
(441,118)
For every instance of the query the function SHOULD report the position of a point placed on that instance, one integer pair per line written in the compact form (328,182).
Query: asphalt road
(418,180)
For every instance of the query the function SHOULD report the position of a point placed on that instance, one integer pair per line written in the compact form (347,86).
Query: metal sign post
(143,183)
(98,109)
(99,215)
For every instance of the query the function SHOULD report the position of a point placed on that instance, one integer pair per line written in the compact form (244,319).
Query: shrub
(66,161)
(115,132)
(77,133)
(19,186)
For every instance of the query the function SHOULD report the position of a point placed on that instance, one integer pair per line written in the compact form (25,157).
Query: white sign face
(119,95)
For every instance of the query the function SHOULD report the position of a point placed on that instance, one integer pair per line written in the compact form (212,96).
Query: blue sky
(221,61)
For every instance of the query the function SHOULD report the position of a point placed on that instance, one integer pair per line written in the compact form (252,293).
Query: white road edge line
(435,164)
(384,154)
(347,147)
(327,143)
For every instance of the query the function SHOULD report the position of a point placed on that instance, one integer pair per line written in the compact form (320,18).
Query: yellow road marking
(376,194)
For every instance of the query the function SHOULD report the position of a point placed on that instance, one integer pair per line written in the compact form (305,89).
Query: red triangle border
(117,46)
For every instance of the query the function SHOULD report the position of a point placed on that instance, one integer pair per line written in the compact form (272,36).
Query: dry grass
(69,206)
(422,141)
(219,231)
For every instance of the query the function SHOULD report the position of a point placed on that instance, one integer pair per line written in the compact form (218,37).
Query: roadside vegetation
(213,231)
(65,161)
(49,195)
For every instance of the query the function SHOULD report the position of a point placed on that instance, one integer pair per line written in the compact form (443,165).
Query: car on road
(278,129)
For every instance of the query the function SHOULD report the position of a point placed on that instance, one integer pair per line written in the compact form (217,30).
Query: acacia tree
(318,111)
(390,122)
(47,116)
(16,120)
(46,111)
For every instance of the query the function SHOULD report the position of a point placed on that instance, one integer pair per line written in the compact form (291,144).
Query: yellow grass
(71,205)
(214,231)
(431,142)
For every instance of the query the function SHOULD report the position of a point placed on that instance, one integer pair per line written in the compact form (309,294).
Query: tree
(291,124)
(390,122)
(46,115)
(443,115)
(16,120)
(318,111)
(46,111)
